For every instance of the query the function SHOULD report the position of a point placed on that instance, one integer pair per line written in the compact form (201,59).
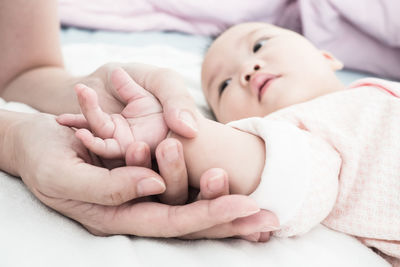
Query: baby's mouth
(265,84)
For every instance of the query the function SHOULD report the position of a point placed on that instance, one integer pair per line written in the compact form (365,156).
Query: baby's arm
(293,173)
(240,153)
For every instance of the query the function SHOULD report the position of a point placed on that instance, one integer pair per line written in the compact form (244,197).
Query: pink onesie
(335,160)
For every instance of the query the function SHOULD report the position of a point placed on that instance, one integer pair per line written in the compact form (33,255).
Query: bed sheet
(33,235)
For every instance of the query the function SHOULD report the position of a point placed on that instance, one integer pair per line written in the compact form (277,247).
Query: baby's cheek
(228,110)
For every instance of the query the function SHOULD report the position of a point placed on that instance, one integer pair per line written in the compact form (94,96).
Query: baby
(301,143)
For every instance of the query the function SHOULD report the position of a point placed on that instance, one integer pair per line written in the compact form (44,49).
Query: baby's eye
(258,45)
(223,85)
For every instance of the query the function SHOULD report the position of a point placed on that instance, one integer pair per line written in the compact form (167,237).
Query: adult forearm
(48,89)
(8,121)
(241,154)
(31,61)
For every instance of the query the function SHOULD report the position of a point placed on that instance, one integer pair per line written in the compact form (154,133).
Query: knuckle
(113,197)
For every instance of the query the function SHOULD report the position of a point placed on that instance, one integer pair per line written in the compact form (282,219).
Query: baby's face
(254,69)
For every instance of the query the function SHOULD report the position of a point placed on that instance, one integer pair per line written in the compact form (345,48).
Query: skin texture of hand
(107,201)
(88,100)
(127,136)
(110,80)
(215,184)
(109,137)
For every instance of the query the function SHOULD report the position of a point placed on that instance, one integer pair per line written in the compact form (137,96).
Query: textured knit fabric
(345,172)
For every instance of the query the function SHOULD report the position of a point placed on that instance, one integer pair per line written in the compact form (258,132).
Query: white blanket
(33,235)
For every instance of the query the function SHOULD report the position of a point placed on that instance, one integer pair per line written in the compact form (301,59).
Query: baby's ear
(335,63)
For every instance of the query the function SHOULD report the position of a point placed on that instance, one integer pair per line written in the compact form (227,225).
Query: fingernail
(216,183)
(188,119)
(170,152)
(248,213)
(269,228)
(149,186)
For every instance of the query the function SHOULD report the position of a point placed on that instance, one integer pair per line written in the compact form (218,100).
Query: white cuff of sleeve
(286,175)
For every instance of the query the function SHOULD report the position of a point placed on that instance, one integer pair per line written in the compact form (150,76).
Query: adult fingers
(264,236)
(100,122)
(138,154)
(252,237)
(174,221)
(179,107)
(107,187)
(168,86)
(257,237)
(172,167)
(126,88)
(263,221)
(213,183)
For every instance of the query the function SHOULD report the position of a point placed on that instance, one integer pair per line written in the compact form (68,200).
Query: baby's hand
(109,136)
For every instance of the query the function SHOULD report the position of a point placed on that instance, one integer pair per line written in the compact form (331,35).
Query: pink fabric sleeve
(300,179)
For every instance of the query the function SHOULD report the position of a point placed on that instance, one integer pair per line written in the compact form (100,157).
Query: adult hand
(121,136)
(110,135)
(255,228)
(166,85)
(56,167)
(213,185)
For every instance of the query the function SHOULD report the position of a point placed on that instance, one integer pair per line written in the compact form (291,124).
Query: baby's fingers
(73,120)
(100,122)
(107,148)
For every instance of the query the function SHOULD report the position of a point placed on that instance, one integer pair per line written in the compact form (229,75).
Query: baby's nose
(247,74)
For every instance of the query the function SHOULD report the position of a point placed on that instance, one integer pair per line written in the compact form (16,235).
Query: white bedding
(33,235)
